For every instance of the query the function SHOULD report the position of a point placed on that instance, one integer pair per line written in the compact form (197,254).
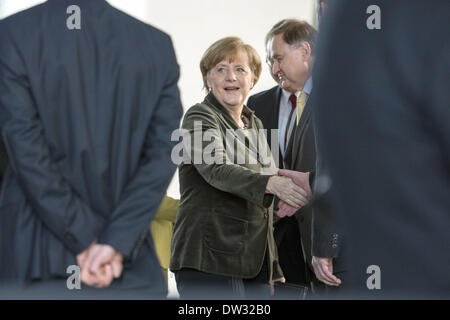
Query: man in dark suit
(289,45)
(386,179)
(88,99)
(300,153)
(275,108)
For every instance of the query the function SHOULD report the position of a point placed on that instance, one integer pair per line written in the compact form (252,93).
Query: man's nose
(275,68)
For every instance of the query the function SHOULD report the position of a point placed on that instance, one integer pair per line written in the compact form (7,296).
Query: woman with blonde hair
(223,243)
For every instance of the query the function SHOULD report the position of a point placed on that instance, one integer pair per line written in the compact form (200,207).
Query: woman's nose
(231,76)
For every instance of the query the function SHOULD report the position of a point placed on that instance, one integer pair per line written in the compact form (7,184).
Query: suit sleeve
(325,236)
(46,190)
(222,173)
(143,194)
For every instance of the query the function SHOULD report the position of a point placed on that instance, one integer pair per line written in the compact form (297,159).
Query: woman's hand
(285,189)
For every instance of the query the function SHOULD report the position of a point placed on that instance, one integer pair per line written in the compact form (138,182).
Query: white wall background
(196,24)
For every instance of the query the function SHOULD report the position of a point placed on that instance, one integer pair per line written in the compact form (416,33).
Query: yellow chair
(162,229)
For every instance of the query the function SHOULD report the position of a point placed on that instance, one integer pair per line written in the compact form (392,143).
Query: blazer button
(266,215)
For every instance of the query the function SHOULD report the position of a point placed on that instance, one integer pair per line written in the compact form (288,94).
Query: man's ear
(306,49)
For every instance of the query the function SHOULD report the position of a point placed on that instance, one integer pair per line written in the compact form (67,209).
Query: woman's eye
(221,69)
(240,69)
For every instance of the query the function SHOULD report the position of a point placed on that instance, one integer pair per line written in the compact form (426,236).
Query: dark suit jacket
(384,137)
(266,105)
(86,116)
(301,156)
(224,221)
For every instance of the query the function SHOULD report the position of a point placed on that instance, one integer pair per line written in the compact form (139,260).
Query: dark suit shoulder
(140,25)
(30,14)
(21,21)
(153,43)
(254,100)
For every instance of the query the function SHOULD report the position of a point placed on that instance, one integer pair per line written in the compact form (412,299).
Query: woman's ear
(208,82)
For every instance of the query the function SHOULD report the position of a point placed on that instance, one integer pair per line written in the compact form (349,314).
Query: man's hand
(323,269)
(285,189)
(100,264)
(285,210)
(81,257)
(301,179)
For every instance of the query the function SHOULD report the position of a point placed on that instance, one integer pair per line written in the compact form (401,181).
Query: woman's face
(230,82)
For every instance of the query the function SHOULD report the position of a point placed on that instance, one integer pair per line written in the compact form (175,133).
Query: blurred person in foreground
(223,245)
(382,111)
(86,114)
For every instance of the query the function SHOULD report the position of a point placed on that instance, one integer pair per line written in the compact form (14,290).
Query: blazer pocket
(225,234)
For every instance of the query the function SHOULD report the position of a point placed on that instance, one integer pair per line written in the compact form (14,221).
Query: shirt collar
(307,88)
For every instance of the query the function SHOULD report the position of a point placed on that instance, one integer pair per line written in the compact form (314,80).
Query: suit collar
(76,1)
(80,3)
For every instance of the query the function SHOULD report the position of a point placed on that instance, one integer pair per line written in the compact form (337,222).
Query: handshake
(100,264)
(293,189)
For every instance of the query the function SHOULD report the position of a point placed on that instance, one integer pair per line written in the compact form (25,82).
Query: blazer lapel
(275,117)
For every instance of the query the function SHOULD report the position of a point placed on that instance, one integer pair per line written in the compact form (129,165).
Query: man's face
(290,67)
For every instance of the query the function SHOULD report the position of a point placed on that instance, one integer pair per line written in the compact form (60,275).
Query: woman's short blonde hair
(227,49)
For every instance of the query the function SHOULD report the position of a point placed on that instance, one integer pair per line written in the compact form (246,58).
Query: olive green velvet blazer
(224,223)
